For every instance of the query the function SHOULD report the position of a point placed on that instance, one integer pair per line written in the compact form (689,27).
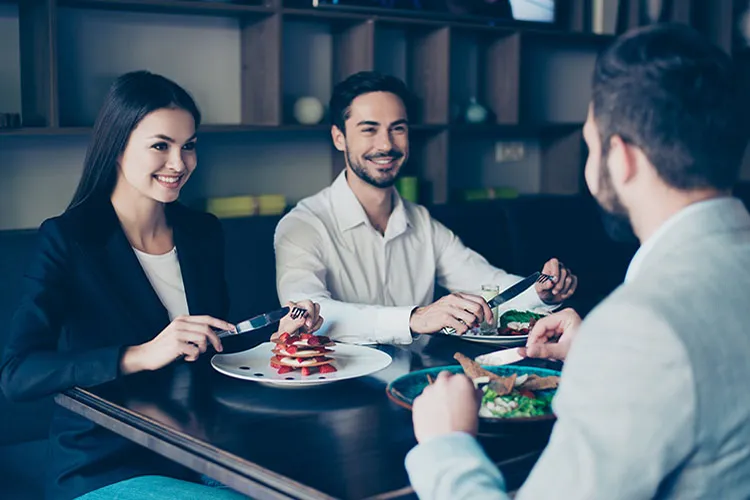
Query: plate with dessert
(301,360)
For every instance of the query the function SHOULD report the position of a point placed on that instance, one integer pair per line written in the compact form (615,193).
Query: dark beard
(618,227)
(613,213)
(361,171)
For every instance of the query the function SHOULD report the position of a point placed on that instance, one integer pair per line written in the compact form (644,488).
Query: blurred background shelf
(248,63)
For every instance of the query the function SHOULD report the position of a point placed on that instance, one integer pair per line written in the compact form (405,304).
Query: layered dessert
(305,352)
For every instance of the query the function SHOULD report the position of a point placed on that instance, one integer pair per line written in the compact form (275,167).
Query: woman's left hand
(310,322)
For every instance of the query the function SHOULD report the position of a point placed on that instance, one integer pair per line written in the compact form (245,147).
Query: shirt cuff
(449,464)
(392,325)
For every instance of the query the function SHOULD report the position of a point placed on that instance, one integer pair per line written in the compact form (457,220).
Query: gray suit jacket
(653,401)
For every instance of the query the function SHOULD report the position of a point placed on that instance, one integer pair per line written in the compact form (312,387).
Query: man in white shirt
(371,258)
(650,400)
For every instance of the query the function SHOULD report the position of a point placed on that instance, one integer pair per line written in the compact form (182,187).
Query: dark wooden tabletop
(343,440)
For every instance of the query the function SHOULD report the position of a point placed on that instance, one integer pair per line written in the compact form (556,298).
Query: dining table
(341,440)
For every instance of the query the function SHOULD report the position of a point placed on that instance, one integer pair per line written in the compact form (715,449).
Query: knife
(499,358)
(513,291)
(260,321)
(504,296)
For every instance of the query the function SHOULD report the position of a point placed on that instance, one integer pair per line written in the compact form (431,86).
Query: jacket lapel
(133,285)
(192,253)
(124,278)
(121,273)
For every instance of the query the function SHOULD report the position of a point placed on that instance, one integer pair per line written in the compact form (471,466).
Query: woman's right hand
(185,336)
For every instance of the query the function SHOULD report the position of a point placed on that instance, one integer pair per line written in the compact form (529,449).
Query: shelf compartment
(555,79)
(320,53)
(428,161)
(563,158)
(10,60)
(97,46)
(37,29)
(550,162)
(418,55)
(485,66)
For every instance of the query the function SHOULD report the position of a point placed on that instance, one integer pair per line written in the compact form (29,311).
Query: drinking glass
(489,292)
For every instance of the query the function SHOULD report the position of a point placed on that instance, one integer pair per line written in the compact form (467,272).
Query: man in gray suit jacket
(653,396)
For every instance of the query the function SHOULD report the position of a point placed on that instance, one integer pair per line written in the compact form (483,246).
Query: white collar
(349,211)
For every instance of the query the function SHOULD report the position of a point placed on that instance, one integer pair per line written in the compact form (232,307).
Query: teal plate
(406,388)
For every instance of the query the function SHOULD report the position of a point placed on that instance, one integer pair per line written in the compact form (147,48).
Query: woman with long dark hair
(125,280)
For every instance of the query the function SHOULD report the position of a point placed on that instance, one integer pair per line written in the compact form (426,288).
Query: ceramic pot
(308,110)
(475,112)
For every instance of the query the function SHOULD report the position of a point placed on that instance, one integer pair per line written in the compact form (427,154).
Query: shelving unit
(284,52)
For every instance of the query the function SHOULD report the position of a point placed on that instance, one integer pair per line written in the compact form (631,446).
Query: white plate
(504,340)
(351,361)
(501,340)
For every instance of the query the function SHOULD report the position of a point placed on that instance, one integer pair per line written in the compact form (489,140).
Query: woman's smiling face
(159,156)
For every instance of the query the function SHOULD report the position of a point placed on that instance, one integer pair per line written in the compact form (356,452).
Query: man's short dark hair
(669,91)
(361,83)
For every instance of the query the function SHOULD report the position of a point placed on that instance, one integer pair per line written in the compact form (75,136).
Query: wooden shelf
(421,129)
(467,128)
(42,131)
(524,130)
(217,129)
(566,38)
(322,15)
(412,17)
(171,6)
(203,129)
(528,75)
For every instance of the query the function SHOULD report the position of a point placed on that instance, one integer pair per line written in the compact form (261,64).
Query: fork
(262,321)
(298,312)
(543,278)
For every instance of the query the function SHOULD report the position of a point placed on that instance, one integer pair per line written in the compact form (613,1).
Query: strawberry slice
(283,337)
(292,349)
(292,339)
(313,340)
(306,371)
(285,369)
(306,336)
(327,369)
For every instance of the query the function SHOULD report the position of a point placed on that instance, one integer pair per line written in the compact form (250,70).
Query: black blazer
(85,299)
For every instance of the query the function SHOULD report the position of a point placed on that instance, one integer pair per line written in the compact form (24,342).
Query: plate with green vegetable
(510,394)
(513,328)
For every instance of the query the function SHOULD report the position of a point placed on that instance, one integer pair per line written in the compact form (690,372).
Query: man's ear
(339,139)
(622,160)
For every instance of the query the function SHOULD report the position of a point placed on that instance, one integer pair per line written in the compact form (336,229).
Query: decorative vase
(408,188)
(308,110)
(475,112)
(653,10)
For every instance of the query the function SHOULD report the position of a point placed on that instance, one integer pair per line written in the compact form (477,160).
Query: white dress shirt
(367,284)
